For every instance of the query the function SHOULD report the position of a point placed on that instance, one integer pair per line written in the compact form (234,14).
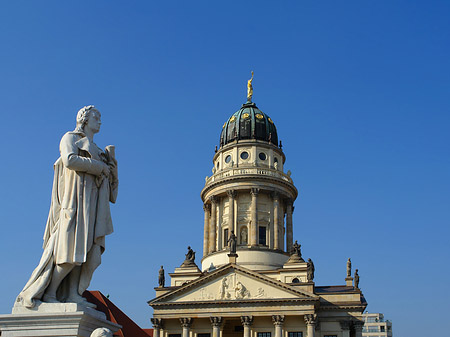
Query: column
(207,210)
(247,321)
(231,197)
(157,326)
(278,321)
(345,326)
(213,225)
(276,221)
(254,212)
(358,327)
(216,323)
(289,234)
(310,320)
(185,324)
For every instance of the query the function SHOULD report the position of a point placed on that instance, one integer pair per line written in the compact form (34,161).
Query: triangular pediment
(233,283)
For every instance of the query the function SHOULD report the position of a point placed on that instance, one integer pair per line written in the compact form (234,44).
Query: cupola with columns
(248,194)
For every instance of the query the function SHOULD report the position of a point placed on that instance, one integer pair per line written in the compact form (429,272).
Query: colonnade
(212,225)
(311,322)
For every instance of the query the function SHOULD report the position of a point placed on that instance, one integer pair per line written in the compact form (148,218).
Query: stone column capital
(289,202)
(254,191)
(213,199)
(186,322)
(278,320)
(157,323)
(345,325)
(206,207)
(275,196)
(247,320)
(232,194)
(358,325)
(310,319)
(216,321)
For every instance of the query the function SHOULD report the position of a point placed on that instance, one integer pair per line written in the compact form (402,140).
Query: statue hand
(106,170)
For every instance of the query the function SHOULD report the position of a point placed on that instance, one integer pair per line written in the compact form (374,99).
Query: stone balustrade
(233,172)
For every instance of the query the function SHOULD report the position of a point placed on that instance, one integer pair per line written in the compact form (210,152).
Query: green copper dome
(249,123)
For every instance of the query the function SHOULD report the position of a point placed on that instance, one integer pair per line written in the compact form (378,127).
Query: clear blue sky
(359,92)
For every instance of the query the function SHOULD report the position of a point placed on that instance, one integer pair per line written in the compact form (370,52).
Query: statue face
(94,122)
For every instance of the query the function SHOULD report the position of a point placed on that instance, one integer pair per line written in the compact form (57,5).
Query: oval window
(262,156)
(244,155)
(227,159)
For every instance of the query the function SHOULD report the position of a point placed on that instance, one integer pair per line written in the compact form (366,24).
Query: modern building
(253,281)
(376,326)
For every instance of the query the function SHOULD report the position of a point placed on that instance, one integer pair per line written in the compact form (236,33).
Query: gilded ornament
(259,116)
(270,120)
(245,115)
(232,119)
(224,125)
(250,89)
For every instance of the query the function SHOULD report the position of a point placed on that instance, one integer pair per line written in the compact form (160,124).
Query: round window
(227,159)
(262,156)
(244,155)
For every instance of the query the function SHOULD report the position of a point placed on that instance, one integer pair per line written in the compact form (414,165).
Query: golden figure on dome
(250,89)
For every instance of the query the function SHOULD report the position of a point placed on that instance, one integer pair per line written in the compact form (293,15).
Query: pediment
(233,283)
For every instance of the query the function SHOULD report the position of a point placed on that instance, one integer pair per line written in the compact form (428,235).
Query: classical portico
(265,288)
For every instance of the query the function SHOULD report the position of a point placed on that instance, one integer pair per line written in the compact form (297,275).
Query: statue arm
(71,159)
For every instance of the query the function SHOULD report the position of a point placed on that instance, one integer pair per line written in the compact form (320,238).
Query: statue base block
(349,281)
(54,319)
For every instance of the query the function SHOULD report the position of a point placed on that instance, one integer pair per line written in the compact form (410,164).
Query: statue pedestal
(54,319)
(349,281)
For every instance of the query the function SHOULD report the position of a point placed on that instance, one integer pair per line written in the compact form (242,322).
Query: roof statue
(250,89)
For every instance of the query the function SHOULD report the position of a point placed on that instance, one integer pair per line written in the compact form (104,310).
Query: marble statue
(161,277)
(311,270)
(102,332)
(349,267)
(85,182)
(244,236)
(356,278)
(232,243)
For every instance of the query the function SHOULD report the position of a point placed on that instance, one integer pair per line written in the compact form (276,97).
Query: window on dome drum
(264,334)
(203,335)
(262,235)
(225,237)
(262,156)
(244,155)
(227,159)
(174,335)
(330,336)
(275,160)
(238,328)
(295,334)
(382,328)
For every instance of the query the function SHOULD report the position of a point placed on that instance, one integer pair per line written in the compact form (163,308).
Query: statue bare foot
(76,298)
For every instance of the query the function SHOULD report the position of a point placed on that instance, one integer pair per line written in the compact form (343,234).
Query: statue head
(102,332)
(83,116)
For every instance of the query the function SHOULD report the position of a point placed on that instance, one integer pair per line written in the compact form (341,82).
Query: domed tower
(248,194)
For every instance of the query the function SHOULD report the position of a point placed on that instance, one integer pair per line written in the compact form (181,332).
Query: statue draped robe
(79,217)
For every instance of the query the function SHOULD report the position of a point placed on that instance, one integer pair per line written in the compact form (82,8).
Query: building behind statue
(253,280)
